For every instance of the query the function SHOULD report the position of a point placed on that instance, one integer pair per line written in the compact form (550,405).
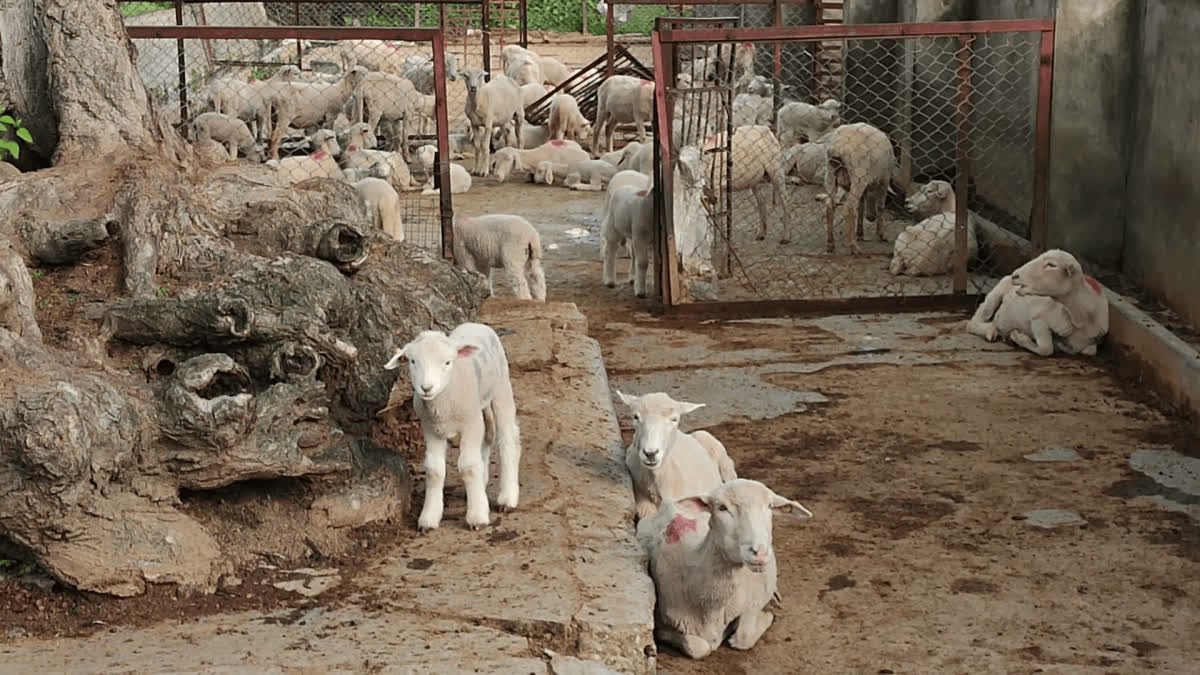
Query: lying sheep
(488,105)
(798,120)
(320,164)
(929,247)
(622,99)
(502,241)
(712,559)
(248,100)
(628,217)
(589,174)
(383,204)
(460,178)
(305,104)
(860,159)
(532,135)
(379,164)
(226,129)
(510,159)
(566,121)
(1045,305)
(665,463)
(462,391)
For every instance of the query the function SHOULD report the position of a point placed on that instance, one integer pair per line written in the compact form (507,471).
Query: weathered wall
(1162,202)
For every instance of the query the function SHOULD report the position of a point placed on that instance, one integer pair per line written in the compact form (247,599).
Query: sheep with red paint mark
(508,160)
(622,99)
(320,164)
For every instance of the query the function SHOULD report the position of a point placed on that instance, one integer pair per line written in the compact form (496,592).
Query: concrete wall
(1162,205)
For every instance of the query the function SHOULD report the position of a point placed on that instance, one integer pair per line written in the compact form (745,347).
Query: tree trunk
(262,314)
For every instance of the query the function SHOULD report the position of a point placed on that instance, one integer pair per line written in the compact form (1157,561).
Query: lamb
(796,120)
(247,100)
(320,164)
(512,52)
(304,104)
(1045,305)
(489,105)
(359,136)
(419,71)
(713,563)
(532,135)
(383,204)
(553,71)
(500,240)
(565,119)
(509,159)
(756,158)
(460,178)
(751,109)
(617,157)
(640,158)
(928,248)
(226,129)
(379,164)
(462,392)
(622,99)
(628,217)
(665,463)
(589,174)
(376,55)
(860,159)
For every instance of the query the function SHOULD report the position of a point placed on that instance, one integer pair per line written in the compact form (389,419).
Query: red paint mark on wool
(678,527)
(557,142)
(1093,284)
(320,154)
(252,80)
(352,148)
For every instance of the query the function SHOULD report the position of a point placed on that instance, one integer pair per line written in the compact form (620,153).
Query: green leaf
(24,135)
(3,127)
(10,147)
(7,119)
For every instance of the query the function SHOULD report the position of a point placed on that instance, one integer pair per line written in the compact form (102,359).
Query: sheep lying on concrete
(565,120)
(320,164)
(712,559)
(305,104)
(1045,305)
(226,129)
(860,159)
(622,99)
(503,241)
(360,160)
(488,105)
(628,218)
(798,120)
(383,204)
(460,178)
(665,463)
(589,174)
(928,248)
(510,159)
(248,100)
(461,391)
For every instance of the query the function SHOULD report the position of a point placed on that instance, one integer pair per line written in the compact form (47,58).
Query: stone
(1053,453)
(1052,518)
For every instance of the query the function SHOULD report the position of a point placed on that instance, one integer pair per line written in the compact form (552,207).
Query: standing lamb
(757,159)
(665,463)
(928,248)
(628,218)
(712,559)
(462,393)
(488,105)
(565,119)
(622,99)
(383,204)
(503,241)
(861,160)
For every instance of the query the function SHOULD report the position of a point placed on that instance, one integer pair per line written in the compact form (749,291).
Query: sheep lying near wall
(712,559)
(589,174)
(461,390)
(1045,305)
(503,241)
(383,204)
(927,248)
(666,463)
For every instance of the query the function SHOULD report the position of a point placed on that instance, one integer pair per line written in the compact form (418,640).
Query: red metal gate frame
(421,35)
(663,46)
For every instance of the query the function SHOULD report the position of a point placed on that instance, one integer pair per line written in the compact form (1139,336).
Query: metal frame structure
(425,35)
(663,44)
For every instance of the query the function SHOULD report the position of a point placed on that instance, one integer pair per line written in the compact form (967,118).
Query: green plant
(263,72)
(37,274)
(7,145)
(139,8)
(163,291)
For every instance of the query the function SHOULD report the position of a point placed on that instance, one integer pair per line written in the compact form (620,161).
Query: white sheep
(665,463)
(383,204)
(503,241)
(419,71)
(462,392)
(226,129)
(460,178)
(532,135)
(628,217)
(320,164)
(622,99)
(531,92)
(590,174)
(380,164)
(565,120)
(928,247)
(513,52)
(553,71)
(248,100)
(757,159)
(524,70)
(305,104)
(1045,305)
(388,98)
(797,120)
(358,137)
(807,160)
(619,157)
(860,159)
(488,105)
(752,109)
(377,55)
(508,160)
(712,559)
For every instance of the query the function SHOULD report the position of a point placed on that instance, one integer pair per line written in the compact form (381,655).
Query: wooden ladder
(829,55)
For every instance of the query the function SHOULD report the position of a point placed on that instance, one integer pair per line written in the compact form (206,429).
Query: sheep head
(655,421)
(426,154)
(325,140)
(936,196)
(740,513)
(451,66)
(287,73)
(544,173)
(503,163)
(475,78)
(431,356)
(1053,274)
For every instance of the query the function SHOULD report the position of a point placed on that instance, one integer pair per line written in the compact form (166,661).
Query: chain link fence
(839,164)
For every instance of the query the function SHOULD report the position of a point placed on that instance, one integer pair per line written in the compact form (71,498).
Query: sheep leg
(435,481)
(516,276)
(470,467)
(1042,342)
(981,323)
(880,213)
(489,439)
(596,129)
(762,211)
(853,217)
(640,249)
(282,118)
(641,126)
(692,646)
(830,207)
(537,278)
(750,628)
(508,443)
(610,261)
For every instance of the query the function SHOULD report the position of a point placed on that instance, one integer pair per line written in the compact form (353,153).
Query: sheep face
(451,66)
(505,160)
(431,356)
(361,135)
(475,79)
(930,199)
(544,173)
(287,73)
(740,513)
(1052,274)
(426,154)
(655,421)
(325,140)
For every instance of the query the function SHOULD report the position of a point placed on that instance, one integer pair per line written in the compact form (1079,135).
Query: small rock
(309,588)
(1051,518)
(17,632)
(228,581)
(1053,453)
(330,571)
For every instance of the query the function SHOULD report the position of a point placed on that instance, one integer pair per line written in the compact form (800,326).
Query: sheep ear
(943,191)
(626,398)
(684,407)
(394,362)
(696,503)
(548,179)
(786,507)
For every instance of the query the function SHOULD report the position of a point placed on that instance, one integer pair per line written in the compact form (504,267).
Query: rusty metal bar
(299,45)
(332,2)
(856,31)
(667,272)
(181,56)
(442,161)
(778,24)
(524,18)
(891,304)
(485,17)
(279,33)
(608,71)
(962,162)
(1041,167)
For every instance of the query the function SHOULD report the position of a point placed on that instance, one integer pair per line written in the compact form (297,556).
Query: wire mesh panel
(375,118)
(866,161)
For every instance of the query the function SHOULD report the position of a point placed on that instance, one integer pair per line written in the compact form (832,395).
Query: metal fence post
(608,72)
(962,161)
(442,160)
(485,17)
(1041,168)
(180,53)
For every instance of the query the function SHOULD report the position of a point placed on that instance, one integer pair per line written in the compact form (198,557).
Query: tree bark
(263,315)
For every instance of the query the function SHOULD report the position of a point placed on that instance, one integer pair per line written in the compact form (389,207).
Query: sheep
(247,100)
(388,97)
(512,52)
(524,70)
(752,109)
(530,93)
(1047,304)
(304,104)
(712,559)
(461,391)
(482,243)
(460,178)
(320,163)
(226,129)
(589,174)
(566,121)
(419,71)
(379,164)
(376,55)
(358,136)
(665,463)
(383,204)
(928,248)
(860,159)
(489,105)
(532,135)
(757,156)
(640,159)
(622,99)
(796,120)
(808,161)
(628,217)
(756,85)
(616,157)
(510,159)
(553,71)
